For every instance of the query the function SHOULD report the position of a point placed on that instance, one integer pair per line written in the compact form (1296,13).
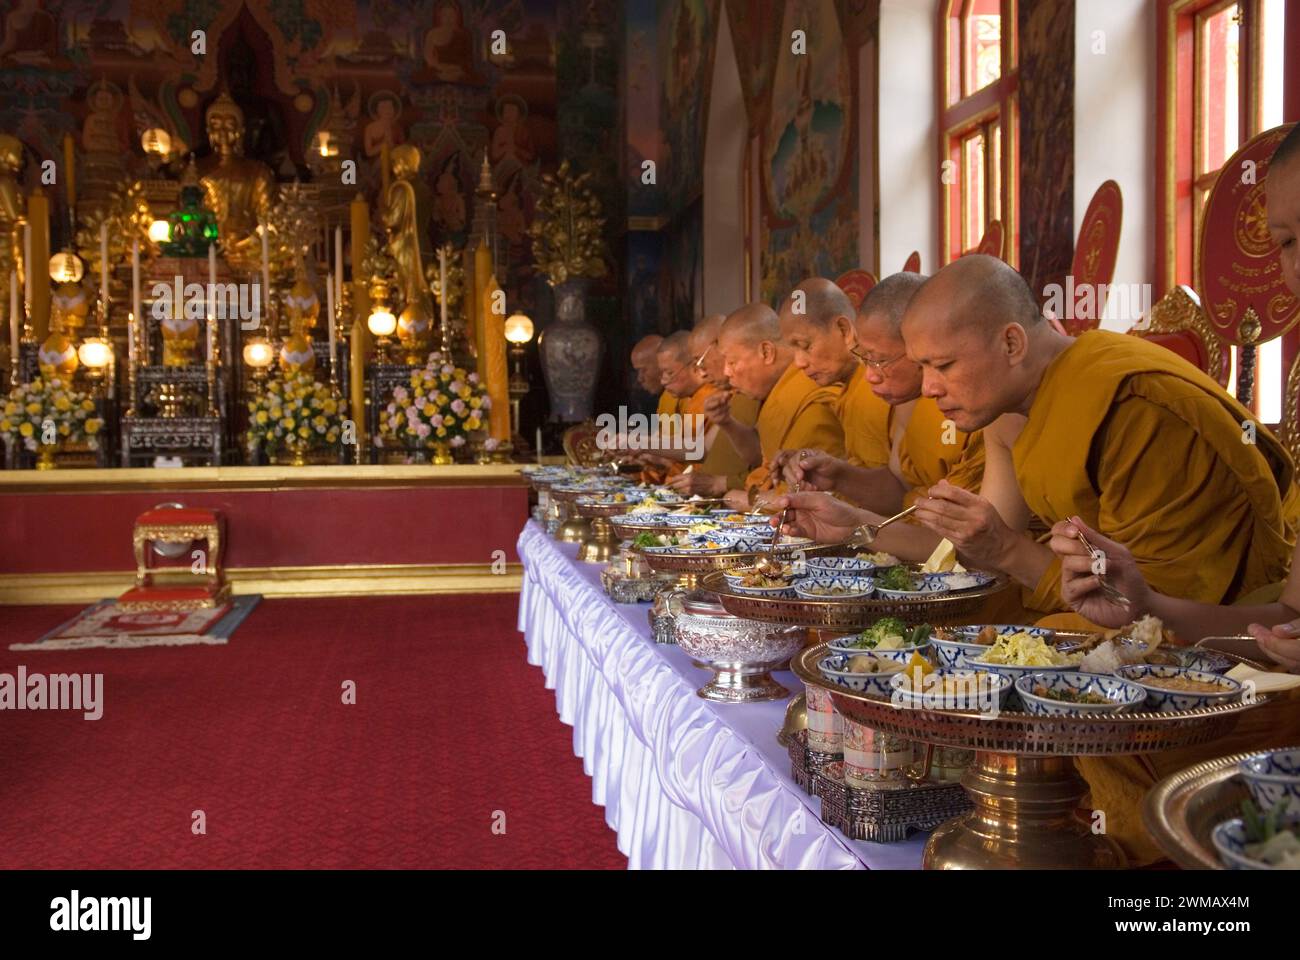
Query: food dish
(1273,779)
(952,643)
(965,690)
(1070,693)
(1255,841)
(1173,688)
(901,583)
(888,636)
(862,673)
(834,587)
(1016,654)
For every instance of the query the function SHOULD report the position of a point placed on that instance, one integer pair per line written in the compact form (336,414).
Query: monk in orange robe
(795,411)
(922,446)
(1143,447)
(722,468)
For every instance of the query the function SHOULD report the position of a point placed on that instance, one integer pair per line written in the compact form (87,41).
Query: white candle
(135,293)
(103,263)
(13,318)
(329,316)
(442,285)
(266,265)
(539,444)
(27,266)
(338,264)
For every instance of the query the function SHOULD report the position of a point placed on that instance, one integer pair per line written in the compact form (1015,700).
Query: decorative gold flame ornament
(293,222)
(126,210)
(566,229)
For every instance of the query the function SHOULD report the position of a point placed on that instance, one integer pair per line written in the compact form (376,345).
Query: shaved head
(646,364)
(704,340)
(754,358)
(980,339)
(676,347)
(888,300)
(1282,205)
(817,324)
(676,366)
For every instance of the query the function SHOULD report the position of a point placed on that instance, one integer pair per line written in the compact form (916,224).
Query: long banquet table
(685,783)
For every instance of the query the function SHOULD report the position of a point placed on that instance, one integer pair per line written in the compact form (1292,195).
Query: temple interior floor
(451,756)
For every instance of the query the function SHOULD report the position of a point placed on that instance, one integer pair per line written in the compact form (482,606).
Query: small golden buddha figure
(237,189)
(301,304)
(407,211)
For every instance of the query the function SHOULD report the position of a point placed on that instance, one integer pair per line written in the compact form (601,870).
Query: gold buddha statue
(237,189)
(180,337)
(302,307)
(408,208)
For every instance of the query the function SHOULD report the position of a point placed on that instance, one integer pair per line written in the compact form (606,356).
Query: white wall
(724,183)
(1115,124)
(908,168)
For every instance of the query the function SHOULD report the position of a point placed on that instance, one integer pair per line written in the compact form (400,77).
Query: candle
(135,294)
(13,322)
(442,287)
(266,266)
(539,444)
(212,310)
(329,317)
(103,264)
(27,267)
(338,264)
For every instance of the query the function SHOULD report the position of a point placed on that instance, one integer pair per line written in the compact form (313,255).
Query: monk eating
(648,375)
(922,446)
(722,468)
(794,411)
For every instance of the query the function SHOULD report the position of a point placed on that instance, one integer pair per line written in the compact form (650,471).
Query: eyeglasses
(877,365)
(699,361)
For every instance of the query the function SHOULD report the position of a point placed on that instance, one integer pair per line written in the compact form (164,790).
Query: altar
(66,535)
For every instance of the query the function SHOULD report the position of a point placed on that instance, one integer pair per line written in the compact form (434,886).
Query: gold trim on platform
(131,479)
(323,581)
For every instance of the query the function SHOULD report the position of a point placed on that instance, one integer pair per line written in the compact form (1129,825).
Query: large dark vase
(570,349)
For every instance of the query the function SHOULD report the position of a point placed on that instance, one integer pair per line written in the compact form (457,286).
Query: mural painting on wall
(318,82)
(809,164)
(682,273)
(687,34)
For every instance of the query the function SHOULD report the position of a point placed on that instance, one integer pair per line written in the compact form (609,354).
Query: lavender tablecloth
(685,783)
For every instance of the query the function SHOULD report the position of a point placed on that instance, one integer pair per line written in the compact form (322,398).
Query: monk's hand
(737,500)
(1081,575)
(819,516)
(970,522)
(652,460)
(717,408)
(1281,643)
(807,469)
(705,484)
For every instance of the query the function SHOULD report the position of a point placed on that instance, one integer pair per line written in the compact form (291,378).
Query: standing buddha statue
(407,212)
(237,189)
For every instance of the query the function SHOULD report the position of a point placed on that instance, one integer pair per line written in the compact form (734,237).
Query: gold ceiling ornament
(566,229)
(293,223)
(455,279)
(127,212)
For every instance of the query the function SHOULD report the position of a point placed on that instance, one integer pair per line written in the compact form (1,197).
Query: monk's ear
(767,350)
(1015,342)
(845,328)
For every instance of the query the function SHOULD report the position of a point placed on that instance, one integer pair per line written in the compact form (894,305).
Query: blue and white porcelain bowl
(1012,671)
(835,669)
(1169,701)
(736,575)
(1207,661)
(845,587)
(929,587)
(948,653)
(772,593)
(842,643)
(990,688)
(956,582)
(1273,779)
(1120,694)
(839,566)
(1229,840)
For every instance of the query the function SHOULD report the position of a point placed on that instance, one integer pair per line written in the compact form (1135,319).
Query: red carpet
(452,732)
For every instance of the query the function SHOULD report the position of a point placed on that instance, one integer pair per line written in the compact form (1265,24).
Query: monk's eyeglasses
(699,361)
(877,365)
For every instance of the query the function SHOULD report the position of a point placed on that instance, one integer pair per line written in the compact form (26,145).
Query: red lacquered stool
(182,527)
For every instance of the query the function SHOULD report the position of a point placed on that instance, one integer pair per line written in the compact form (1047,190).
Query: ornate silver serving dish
(741,653)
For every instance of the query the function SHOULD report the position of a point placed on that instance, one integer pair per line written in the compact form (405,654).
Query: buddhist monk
(722,468)
(795,412)
(648,375)
(1119,432)
(679,441)
(923,447)
(820,330)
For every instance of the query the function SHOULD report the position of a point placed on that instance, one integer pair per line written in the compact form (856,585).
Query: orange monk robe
(933,449)
(1149,451)
(864,418)
(669,403)
(721,459)
(796,414)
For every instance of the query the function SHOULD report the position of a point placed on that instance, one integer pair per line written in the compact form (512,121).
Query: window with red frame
(978,63)
(1224,80)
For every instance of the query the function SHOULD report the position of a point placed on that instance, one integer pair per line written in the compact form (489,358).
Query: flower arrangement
(48,412)
(442,404)
(294,412)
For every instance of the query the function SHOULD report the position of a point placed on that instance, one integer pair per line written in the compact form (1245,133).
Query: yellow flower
(6,426)
(429,410)
(25,429)
(92,425)
(473,423)
(304,432)
(34,407)
(261,416)
(442,432)
(87,405)
(330,406)
(64,429)
(287,423)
